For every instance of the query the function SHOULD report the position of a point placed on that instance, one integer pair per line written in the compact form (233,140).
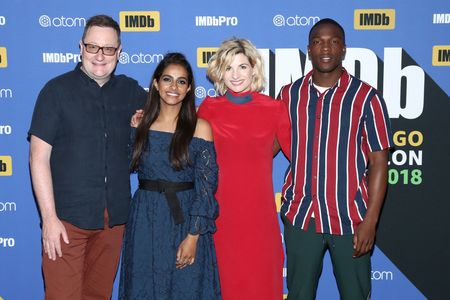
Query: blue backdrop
(400,47)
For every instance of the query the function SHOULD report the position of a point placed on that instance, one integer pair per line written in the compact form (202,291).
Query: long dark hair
(186,121)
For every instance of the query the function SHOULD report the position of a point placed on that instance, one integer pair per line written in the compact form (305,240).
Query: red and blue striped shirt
(332,135)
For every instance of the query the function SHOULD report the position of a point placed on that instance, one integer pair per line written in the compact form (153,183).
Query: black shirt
(88,127)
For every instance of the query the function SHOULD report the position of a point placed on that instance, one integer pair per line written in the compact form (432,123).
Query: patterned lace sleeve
(131,144)
(204,209)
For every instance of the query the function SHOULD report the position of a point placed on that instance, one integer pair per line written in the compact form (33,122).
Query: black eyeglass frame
(87,45)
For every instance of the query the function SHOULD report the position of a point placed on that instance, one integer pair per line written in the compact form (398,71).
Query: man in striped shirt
(336,183)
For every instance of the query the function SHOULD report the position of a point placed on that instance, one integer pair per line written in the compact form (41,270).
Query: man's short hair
(327,21)
(101,21)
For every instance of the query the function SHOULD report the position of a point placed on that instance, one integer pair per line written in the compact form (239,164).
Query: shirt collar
(341,83)
(88,79)
(239,98)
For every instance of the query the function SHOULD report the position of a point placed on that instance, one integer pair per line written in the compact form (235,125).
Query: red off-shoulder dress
(248,239)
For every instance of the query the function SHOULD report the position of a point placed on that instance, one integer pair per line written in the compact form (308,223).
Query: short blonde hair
(223,58)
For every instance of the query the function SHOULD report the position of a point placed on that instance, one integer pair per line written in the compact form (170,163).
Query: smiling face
(326,50)
(99,66)
(173,85)
(238,75)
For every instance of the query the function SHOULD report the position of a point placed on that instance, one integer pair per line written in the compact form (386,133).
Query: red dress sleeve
(284,130)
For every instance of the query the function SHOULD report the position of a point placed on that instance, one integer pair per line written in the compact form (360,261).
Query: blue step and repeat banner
(400,47)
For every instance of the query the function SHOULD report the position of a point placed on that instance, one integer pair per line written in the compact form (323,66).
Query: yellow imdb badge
(5,166)
(441,55)
(139,21)
(204,55)
(278,201)
(374,19)
(3,59)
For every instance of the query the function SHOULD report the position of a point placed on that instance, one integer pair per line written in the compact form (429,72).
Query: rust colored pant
(87,269)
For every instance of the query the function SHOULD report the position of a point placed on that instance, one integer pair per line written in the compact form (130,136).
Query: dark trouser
(88,264)
(305,251)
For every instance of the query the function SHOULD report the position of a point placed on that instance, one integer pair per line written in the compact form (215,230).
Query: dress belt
(169,189)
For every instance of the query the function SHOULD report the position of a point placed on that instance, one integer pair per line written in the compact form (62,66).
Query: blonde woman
(246,125)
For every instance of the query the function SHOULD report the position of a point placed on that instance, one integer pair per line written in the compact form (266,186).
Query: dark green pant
(305,251)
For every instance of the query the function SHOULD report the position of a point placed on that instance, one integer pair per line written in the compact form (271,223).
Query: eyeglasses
(93,49)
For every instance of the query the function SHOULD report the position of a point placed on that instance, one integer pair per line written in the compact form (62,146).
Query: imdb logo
(139,20)
(3,58)
(278,201)
(204,55)
(374,19)
(5,166)
(441,55)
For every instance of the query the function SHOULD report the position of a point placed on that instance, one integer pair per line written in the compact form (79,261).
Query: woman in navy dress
(168,248)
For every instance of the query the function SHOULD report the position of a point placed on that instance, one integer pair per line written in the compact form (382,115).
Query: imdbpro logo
(5,166)
(216,21)
(5,129)
(441,55)
(374,19)
(139,20)
(3,58)
(60,58)
(204,55)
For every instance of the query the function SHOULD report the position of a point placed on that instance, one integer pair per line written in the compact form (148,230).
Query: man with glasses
(79,139)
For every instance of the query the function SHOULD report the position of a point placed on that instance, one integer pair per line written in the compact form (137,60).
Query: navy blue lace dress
(152,238)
